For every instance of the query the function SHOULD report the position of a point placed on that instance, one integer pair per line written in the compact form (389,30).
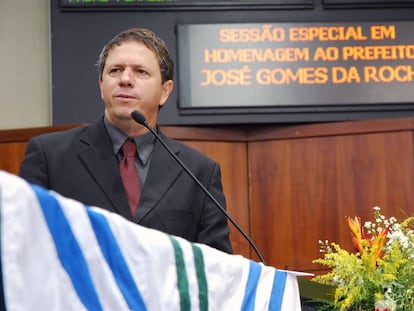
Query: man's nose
(126,76)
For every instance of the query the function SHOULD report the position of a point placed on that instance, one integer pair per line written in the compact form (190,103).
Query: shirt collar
(145,143)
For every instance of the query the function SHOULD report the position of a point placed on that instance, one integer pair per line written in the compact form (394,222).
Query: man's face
(131,80)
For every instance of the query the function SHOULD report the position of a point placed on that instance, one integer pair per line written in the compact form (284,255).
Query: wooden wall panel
(13,145)
(302,190)
(11,155)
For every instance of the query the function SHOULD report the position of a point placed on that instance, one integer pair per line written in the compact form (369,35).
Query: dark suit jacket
(80,164)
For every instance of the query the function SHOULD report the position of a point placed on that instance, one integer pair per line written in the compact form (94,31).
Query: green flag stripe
(201,278)
(185,302)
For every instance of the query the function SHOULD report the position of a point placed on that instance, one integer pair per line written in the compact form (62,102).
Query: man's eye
(114,70)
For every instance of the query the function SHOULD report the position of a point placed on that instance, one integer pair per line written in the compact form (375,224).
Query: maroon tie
(129,175)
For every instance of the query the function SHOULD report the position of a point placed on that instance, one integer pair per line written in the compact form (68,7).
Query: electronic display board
(282,65)
(323,85)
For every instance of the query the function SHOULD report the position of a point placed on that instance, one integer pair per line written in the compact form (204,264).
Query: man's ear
(167,88)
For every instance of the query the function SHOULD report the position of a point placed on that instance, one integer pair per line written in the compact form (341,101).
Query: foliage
(379,275)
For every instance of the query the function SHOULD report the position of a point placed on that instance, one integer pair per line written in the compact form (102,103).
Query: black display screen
(182,4)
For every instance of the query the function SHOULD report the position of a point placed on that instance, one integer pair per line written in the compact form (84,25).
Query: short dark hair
(151,41)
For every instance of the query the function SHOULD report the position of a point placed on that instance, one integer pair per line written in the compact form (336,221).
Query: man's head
(135,73)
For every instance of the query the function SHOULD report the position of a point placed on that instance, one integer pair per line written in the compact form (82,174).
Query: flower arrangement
(379,275)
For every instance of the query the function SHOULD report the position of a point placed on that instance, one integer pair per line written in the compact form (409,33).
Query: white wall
(24,64)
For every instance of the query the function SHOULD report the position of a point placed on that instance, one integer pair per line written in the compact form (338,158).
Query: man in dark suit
(135,73)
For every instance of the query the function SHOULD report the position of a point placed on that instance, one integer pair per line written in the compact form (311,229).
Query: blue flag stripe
(252,280)
(276,296)
(116,261)
(68,249)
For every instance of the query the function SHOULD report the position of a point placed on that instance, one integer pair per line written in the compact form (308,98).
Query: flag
(58,254)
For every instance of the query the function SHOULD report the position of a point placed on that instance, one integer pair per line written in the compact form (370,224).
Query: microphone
(139,118)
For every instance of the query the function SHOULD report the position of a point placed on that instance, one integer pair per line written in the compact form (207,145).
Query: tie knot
(129,149)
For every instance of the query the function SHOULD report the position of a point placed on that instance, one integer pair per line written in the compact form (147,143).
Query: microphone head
(138,117)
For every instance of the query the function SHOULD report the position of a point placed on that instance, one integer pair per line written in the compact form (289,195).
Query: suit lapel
(163,172)
(100,161)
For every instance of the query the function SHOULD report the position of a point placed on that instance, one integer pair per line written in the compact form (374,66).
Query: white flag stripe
(22,224)
(264,288)
(291,299)
(148,261)
(226,277)
(35,275)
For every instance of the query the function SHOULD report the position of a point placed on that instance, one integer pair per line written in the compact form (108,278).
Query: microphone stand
(139,118)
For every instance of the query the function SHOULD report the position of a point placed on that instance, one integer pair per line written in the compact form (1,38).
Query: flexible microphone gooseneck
(139,118)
